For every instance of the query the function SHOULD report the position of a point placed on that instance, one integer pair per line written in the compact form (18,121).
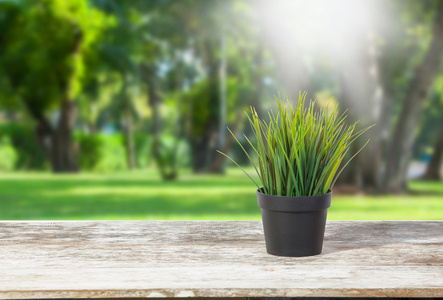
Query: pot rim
(260,189)
(294,203)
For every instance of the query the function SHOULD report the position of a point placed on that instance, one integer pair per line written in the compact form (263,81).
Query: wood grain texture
(88,259)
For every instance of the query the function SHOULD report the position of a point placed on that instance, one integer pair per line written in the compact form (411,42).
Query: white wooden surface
(215,259)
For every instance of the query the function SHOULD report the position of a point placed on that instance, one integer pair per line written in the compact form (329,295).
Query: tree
(373,74)
(365,71)
(121,54)
(223,55)
(181,60)
(43,59)
(403,136)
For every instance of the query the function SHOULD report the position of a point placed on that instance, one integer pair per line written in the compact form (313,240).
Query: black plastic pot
(294,226)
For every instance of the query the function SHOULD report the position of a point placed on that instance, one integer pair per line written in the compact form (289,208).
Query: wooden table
(89,259)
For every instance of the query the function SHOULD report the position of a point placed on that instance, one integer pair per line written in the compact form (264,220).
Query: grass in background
(142,195)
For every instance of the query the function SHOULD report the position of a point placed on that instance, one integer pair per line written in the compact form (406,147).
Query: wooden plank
(106,259)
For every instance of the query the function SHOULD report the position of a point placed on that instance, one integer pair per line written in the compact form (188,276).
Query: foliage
(113,155)
(143,146)
(174,153)
(198,101)
(29,154)
(91,52)
(8,155)
(101,153)
(90,148)
(300,150)
(48,48)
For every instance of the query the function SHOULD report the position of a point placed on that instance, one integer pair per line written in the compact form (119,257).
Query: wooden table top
(87,259)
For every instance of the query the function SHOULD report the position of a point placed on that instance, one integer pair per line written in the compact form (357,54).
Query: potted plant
(299,153)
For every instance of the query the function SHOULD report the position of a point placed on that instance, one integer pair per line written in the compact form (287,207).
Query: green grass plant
(301,151)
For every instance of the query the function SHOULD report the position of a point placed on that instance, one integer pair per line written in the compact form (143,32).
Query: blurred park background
(115,109)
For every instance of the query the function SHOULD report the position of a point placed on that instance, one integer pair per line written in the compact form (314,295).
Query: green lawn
(142,196)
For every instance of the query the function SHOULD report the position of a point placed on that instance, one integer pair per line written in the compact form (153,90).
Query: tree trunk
(129,136)
(219,160)
(57,143)
(166,167)
(92,128)
(202,152)
(43,128)
(383,125)
(359,95)
(63,156)
(204,145)
(220,167)
(403,137)
(91,121)
(254,102)
(433,170)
